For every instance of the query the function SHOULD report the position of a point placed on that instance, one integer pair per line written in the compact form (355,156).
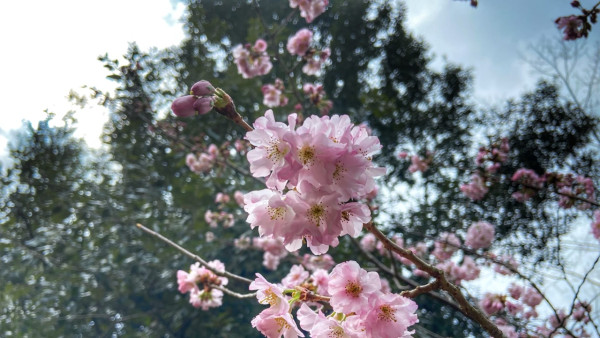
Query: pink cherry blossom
(238,196)
(476,189)
(268,293)
(572,27)
(320,278)
(252,61)
(315,61)
(330,327)
(531,297)
(350,287)
(276,324)
(418,164)
(273,94)
(390,316)
(296,277)
(492,303)
(310,9)
(446,246)
(368,242)
(515,291)
(312,262)
(480,235)
(299,43)
(206,299)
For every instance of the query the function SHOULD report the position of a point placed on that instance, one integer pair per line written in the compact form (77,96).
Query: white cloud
(51,47)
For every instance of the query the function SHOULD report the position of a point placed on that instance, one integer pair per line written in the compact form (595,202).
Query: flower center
(282,324)
(316,213)
(276,151)
(270,298)
(276,213)
(339,171)
(353,289)
(386,313)
(337,332)
(307,155)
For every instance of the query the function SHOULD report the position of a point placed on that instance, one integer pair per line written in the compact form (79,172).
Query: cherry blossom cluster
(456,273)
(570,186)
(488,161)
(310,9)
(573,190)
(477,188)
(480,235)
(579,317)
(203,162)
(520,303)
(316,95)
(530,184)
(362,307)
(516,306)
(315,60)
(494,156)
(417,163)
(273,94)
(215,218)
(577,26)
(199,282)
(251,60)
(315,174)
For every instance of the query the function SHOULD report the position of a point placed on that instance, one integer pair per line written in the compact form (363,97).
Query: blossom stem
(193,256)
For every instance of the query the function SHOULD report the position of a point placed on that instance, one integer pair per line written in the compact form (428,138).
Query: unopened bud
(184,106)
(203,105)
(202,88)
(575,3)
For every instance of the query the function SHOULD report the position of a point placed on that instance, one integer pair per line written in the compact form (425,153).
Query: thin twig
(234,294)
(193,256)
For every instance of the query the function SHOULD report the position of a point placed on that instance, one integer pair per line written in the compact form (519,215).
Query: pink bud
(184,106)
(260,45)
(202,88)
(203,105)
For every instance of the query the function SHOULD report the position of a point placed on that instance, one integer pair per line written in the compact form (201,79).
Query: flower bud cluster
(199,282)
(252,61)
(315,174)
(199,102)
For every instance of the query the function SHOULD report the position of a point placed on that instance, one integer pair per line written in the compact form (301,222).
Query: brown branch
(421,289)
(193,256)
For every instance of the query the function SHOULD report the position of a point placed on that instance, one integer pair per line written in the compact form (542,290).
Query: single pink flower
(390,316)
(480,235)
(299,43)
(350,287)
